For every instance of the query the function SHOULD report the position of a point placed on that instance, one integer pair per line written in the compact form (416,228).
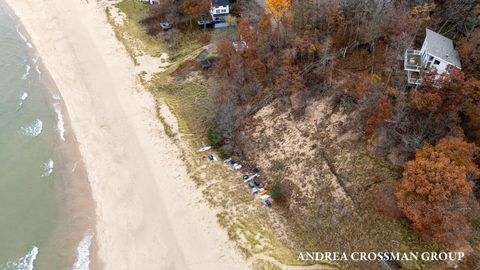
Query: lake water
(46,210)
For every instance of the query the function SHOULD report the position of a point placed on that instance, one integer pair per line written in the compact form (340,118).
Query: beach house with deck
(219,9)
(437,51)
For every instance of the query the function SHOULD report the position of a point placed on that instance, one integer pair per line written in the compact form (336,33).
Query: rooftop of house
(441,47)
(220,2)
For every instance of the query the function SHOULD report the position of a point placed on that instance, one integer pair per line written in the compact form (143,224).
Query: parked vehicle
(166,25)
(203,22)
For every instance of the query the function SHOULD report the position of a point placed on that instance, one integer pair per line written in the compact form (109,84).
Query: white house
(219,9)
(437,51)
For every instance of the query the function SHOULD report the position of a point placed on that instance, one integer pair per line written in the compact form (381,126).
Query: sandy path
(148,210)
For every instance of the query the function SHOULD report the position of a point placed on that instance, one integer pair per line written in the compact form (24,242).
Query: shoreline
(148,210)
(72,194)
(75,194)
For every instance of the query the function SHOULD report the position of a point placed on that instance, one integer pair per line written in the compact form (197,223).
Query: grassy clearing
(224,33)
(133,35)
(186,99)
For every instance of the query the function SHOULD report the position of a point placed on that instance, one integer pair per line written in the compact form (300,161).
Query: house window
(431,58)
(436,62)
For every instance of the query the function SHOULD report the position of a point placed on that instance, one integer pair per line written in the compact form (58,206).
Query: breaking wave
(60,122)
(22,263)
(83,252)
(33,130)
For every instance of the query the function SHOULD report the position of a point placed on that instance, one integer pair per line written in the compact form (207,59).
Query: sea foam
(35,61)
(83,252)
(60,122)
(47,168)
(24,38)
(34,129)
(22,263)
(27,72)
(23,97)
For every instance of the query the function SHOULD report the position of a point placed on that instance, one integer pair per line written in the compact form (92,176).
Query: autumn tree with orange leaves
(473,122)
(290,80)
(435,194)
(469,52)
(381,112)
(277,7)
(446,92)
(196,8)
(472,113)
(438,108)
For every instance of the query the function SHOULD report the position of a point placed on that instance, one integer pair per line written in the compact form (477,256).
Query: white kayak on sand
(251,177)
(203,149)
(265,197)
(237,166)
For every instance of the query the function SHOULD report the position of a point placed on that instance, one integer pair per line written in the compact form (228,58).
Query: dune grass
(133,32)
(264,265)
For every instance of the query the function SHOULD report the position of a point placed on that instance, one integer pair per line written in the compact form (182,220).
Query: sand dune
(148,210)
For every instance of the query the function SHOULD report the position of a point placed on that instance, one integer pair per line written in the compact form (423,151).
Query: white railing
(415,52)
(414,81)
(409,66)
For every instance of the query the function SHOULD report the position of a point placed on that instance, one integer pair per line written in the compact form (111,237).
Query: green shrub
(277,191)
(223,154)
(212,56)
(214,137)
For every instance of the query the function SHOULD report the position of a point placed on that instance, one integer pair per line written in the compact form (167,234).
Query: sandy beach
(149,213)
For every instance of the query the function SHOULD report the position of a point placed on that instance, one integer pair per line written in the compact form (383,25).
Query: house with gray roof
(437,51)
